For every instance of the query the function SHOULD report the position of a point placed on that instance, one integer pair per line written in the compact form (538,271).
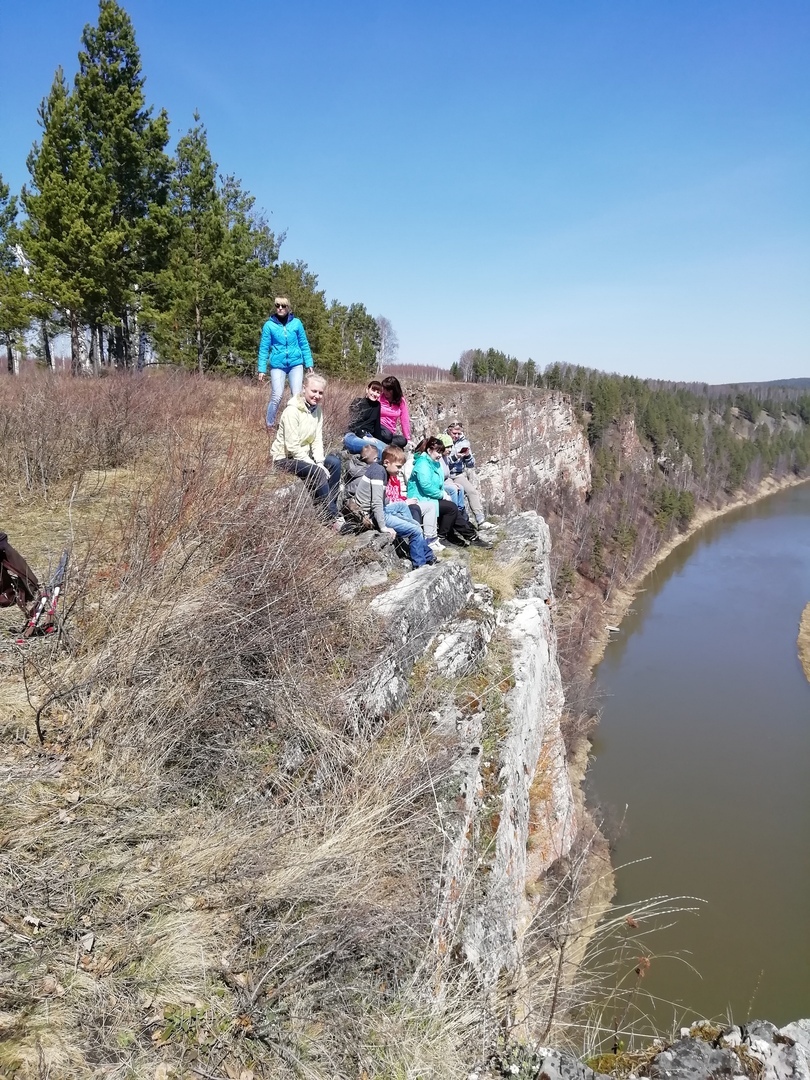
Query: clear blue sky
(618,183)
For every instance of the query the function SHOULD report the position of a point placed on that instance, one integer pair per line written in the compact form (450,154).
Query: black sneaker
(479,543)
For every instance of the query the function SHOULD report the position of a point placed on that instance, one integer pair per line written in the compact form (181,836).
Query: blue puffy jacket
(284,343)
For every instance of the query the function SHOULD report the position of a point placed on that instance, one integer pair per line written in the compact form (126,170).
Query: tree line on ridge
(137,254)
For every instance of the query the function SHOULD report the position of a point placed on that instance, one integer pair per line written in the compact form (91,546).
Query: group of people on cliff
(425,495)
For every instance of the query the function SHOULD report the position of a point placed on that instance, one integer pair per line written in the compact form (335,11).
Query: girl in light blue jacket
(426,485)
(284,343)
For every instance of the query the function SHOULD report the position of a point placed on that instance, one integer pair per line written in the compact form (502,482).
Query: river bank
(803,641)
(617,606)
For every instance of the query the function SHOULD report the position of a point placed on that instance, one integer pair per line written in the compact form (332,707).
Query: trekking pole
(47,602)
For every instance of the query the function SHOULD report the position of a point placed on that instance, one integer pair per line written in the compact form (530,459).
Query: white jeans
(430,518)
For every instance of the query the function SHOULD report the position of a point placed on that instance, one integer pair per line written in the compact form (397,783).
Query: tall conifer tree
(66,235)
(126,147)
(191,293)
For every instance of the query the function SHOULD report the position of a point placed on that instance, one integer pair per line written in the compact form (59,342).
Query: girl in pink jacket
(394,412)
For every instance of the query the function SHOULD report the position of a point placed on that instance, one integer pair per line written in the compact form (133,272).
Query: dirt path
(803,641)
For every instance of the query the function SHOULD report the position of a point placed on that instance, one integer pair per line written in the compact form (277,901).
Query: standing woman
(394,412)
(284,343)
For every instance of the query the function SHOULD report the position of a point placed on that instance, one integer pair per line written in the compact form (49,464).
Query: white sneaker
(436,546)
(485,525)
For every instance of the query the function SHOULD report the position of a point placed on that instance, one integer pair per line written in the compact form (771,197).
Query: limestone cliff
(523,439)
(508,809)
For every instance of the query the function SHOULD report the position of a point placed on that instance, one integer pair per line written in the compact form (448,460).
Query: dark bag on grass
(18,582)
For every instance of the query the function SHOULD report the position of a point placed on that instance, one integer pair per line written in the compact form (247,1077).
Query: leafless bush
(54,428)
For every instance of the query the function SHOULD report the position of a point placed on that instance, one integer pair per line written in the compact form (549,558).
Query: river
(705,739)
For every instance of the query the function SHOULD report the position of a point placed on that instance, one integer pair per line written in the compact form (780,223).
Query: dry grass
(201,867)
(504,578)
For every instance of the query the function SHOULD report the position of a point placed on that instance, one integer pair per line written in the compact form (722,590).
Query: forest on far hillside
(137,254)
(690,428)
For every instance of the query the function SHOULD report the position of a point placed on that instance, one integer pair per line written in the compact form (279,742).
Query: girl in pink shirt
(394,410)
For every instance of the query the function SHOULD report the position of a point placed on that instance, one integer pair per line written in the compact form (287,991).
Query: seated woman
(368,493)
(394,413)
(298,447)
(364,421)
(441,517)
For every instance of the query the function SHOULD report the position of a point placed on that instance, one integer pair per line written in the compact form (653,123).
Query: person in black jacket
(364,421)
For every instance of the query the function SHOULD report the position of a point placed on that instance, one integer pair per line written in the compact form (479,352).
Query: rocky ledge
(754,1051)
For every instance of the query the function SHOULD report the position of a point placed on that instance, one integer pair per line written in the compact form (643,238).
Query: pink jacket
(390,414)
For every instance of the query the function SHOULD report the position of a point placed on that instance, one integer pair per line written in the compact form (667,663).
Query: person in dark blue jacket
(284,343)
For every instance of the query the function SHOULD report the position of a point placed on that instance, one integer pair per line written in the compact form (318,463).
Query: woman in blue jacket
(284,343)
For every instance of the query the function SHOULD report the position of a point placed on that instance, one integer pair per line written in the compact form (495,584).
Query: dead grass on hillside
(504,578)
(200,866)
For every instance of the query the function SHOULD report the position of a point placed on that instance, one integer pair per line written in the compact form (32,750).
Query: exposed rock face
(501,827)
(522,439)
(629,445)
(494,932)
(537,444)
(414,610)
(487,791)
(756,1051)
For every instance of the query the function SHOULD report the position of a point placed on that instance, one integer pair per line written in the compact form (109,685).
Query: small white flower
(514,1069)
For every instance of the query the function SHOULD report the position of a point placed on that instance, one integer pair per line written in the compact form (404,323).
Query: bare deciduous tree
(389,344)
(465,364)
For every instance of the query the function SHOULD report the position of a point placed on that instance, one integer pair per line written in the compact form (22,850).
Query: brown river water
(702,766)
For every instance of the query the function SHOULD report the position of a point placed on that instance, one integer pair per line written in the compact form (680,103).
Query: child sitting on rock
(462,472)
(451,489)
(365,500)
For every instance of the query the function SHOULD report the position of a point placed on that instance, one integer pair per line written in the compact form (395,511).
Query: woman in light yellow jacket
(298,447)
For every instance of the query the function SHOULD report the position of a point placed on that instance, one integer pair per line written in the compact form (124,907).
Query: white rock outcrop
(501,793)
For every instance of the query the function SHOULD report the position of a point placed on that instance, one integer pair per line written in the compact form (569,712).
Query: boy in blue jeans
(393,518)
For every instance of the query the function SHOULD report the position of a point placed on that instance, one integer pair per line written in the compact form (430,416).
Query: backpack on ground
(19,585)
(351,472)
(18,582)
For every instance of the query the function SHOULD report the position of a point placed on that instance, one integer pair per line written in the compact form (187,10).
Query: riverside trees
(141,253)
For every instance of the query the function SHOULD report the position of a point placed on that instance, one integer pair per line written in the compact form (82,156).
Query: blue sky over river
(621,184)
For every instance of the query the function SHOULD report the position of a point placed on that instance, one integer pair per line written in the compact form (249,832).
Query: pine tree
(66,235)
(190,322)
(126,149)
(247,266)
